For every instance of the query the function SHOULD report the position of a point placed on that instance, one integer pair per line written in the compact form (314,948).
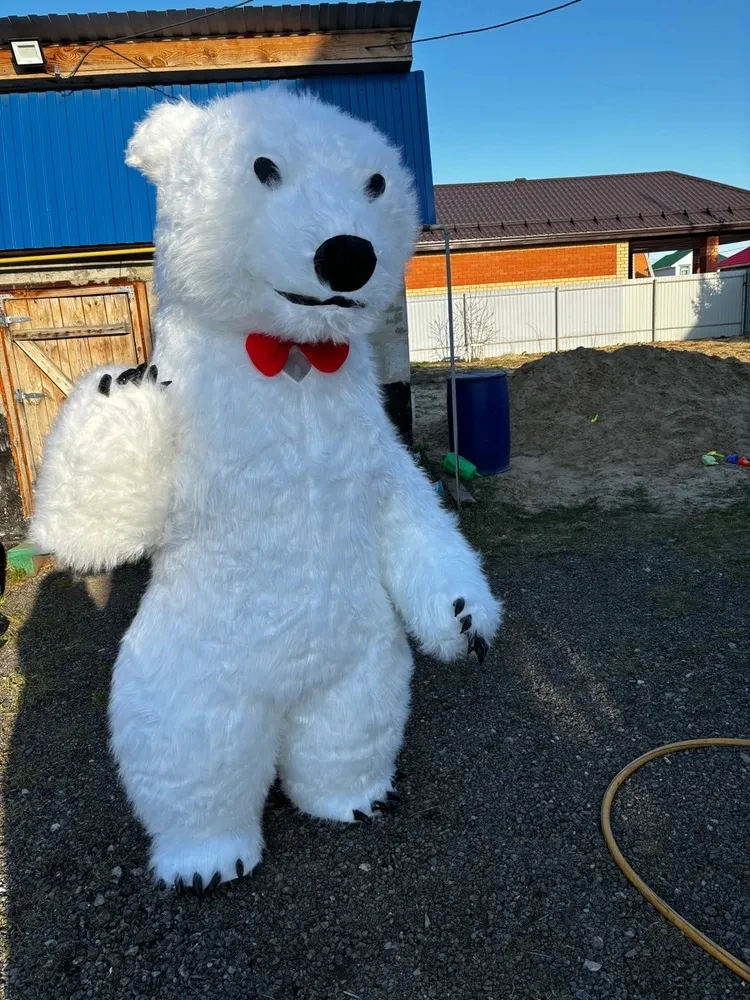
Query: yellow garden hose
(725,957)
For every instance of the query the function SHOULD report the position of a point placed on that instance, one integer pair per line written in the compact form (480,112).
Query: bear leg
(339,748)
(197,775)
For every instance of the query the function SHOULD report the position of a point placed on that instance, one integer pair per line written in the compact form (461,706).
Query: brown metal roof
(632,205)
(288,19)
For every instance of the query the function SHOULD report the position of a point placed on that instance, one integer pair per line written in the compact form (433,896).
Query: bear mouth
(309,300)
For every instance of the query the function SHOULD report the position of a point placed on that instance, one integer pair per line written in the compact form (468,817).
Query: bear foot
(360,807)
(200,868)
(385,808)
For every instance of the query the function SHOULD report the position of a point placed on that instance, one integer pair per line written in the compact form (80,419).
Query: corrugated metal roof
(287,19)
(641,204)
(63,179)
(739,259)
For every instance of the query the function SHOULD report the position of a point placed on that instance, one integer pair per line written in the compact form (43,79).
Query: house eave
(567,239)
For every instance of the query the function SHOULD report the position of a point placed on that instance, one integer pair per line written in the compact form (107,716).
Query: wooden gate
(49,338)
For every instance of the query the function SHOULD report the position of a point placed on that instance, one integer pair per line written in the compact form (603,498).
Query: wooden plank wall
(355,49)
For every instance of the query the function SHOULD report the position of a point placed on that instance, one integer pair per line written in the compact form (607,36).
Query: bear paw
(202,867)
(131,376)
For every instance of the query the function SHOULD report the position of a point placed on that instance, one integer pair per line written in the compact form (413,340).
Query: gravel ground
(491,883)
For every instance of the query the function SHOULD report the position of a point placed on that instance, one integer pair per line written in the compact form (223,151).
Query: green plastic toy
(466,470)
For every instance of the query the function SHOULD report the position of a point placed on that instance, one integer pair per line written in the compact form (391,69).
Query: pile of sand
(658,412)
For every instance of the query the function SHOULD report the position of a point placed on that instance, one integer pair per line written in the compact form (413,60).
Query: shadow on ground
(491,883)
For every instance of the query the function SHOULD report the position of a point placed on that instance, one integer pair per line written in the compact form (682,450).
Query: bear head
(276,213)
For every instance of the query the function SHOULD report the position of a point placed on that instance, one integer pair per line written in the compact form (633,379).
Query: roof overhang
(667,238)
(94,50)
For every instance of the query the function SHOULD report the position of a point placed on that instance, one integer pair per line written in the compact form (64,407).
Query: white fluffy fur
(300,536)
(106,482)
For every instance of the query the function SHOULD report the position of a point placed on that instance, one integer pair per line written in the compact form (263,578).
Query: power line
(493,27)
(478,31)
(151,31)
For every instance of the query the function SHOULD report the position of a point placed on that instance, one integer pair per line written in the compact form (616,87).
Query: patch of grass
(671,602)
(12,687)
(22,776)
(100,699)
(38,687)
(647,848)
(729,633)
(101,875)
(506,532)
(718,536)
(77,733)
(14,576)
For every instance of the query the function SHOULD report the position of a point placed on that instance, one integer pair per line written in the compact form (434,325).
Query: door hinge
(21,395)
(7,320)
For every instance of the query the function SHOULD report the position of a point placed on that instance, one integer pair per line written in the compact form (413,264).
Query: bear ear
(159,135)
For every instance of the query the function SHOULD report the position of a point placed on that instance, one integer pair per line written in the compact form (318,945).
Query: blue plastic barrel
(483,408)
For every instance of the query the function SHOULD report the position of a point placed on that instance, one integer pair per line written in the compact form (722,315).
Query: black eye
(266,171)
(375,186)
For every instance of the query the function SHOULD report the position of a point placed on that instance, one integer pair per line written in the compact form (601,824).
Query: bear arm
(428,567)
(105,484)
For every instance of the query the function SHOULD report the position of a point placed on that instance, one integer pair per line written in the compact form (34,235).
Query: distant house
(565,230)
(679,262)
(739,259)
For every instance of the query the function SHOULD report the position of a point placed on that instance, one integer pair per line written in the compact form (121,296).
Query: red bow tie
(269,355)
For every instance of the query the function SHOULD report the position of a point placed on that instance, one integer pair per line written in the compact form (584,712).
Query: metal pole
(451,337)
(557,318)
(451,340)
(745,321)
(466,332)
(653,311)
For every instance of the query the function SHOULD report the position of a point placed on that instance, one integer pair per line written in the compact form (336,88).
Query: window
(684,269)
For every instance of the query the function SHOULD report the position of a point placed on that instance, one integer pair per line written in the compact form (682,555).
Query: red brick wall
(493,267)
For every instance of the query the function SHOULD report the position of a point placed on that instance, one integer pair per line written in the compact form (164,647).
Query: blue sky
(606,86)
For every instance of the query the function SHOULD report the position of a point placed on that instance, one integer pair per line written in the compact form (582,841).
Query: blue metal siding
(63,179)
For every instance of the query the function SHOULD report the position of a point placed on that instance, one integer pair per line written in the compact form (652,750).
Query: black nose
(345,263)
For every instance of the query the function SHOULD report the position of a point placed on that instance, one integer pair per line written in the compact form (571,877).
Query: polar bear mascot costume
(293,540)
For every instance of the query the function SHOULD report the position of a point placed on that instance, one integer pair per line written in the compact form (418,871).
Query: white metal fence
(538,320)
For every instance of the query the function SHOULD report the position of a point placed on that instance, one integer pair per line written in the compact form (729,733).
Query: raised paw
(131,376)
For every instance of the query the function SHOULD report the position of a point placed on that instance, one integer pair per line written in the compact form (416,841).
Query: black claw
(239,868)
(458,606)
(168,382)
(361,817)
(465,624)
(105,384)
(126,376)
(179,886)
(399,775)
(393,796)
(198,885)
(386,808)
(139,373)
(153,373)
(480,648)
(470,646)
(214,883)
